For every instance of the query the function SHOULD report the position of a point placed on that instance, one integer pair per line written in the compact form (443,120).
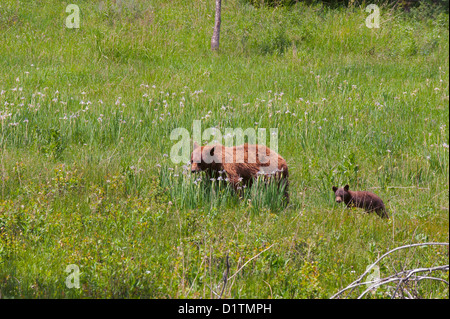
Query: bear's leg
(286,195)
(285,183)
(236,184)
(382,213)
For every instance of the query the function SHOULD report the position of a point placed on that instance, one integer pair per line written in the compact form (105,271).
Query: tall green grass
(189,191)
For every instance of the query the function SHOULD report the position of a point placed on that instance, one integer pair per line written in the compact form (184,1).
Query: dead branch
(225,277)
(401,187)
(408,277)
(250,261)
(402,276)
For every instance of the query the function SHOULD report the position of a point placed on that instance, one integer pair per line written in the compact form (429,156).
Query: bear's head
(204,157)
(342,194)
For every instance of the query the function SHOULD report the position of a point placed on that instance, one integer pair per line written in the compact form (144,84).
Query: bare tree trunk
(216,33)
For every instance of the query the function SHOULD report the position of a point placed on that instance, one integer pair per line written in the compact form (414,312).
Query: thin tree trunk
(216,33)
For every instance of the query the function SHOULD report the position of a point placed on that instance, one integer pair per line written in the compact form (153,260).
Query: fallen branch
(250,260)
(402,187)
(392,278)
(408,277)
(225,277)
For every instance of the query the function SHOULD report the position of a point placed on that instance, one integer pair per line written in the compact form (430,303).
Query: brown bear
(362,199)
(242,164)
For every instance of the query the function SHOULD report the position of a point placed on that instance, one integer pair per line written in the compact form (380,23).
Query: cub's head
(204,157)
(341,194)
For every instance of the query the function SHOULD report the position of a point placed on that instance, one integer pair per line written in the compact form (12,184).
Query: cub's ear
(334,189)
(346,187)
(196,145)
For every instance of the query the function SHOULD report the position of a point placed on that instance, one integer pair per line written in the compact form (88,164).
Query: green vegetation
(86,116)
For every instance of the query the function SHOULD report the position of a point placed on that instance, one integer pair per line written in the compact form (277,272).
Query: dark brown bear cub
(367,200)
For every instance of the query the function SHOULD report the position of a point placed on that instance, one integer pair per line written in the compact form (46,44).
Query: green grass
(86,116)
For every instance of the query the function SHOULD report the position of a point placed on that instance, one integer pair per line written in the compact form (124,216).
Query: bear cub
(362,199)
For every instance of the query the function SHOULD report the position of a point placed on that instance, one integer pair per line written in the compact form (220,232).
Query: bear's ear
(196,145)
(346,187)
(334,189)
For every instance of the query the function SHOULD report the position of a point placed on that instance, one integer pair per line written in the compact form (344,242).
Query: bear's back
(257,154)
(367,200)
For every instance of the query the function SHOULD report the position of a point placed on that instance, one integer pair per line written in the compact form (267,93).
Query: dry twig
(225,277)
(403,277)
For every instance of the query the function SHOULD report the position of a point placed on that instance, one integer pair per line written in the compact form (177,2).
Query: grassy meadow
(86,116)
